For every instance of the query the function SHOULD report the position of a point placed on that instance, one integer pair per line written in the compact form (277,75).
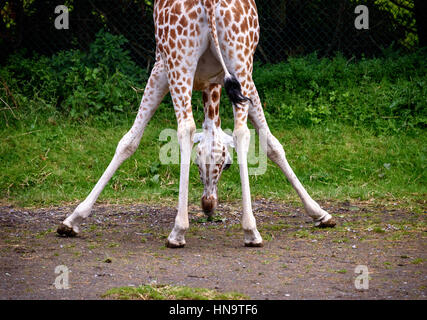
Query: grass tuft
(167,292)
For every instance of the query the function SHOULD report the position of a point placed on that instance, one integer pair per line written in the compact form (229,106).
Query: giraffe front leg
(154,92)
(186,132)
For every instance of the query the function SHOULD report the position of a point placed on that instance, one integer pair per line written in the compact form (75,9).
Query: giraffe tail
(234,90)
(231,83)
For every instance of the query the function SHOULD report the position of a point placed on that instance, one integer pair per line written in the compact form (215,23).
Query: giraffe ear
(197,137)
(227,139)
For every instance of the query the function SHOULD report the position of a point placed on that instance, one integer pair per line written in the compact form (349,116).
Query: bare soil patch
(124,245)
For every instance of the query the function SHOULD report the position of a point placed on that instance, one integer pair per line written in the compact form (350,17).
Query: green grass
(417,261)
(166,292)
(350,130)
(55,163)
(343,271)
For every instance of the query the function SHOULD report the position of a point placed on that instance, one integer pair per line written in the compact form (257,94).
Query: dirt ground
(122,245)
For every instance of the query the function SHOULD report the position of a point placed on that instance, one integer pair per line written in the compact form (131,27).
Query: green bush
(386,94)
(78,84)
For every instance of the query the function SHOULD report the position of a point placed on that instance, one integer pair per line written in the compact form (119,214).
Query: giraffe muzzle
(208,205)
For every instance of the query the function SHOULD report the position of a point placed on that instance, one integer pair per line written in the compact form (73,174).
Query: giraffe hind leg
(276,153)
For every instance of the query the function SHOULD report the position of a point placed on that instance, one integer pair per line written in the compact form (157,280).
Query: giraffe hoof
(65,231)
(254,244)
(173,245)
(327,224)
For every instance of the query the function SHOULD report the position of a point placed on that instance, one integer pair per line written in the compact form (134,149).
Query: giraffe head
(212,157)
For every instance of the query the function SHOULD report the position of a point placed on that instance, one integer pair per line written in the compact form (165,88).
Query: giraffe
(204,45)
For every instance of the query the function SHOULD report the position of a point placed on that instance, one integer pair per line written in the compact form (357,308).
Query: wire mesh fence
(288,27)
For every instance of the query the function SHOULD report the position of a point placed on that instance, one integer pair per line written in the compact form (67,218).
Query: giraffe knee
(186,131)
(275,149)
(242,138)
(127,145)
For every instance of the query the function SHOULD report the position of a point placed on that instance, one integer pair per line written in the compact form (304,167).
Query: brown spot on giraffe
(237,12)
(173,18)
(215,97)
(172,34)
(189,4)
(244,27)
(193,15)
(227,19)
(176,9)
(211,112)
(183,21)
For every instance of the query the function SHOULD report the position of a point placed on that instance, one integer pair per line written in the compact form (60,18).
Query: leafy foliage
(386,94)
(99,82)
